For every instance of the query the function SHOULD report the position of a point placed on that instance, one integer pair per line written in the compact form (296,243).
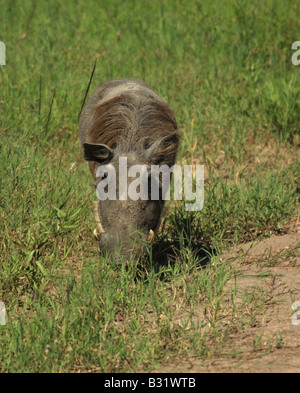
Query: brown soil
(278,349)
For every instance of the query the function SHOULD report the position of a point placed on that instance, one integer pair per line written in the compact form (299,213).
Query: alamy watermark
(296,315)
(2,314)
(151,182)
(2,53)
(295,59)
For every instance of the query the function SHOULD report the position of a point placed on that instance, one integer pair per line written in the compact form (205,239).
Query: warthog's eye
(114,145)
(147,144)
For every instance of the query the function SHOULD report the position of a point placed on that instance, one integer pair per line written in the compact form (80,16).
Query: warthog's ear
(97,152)
(163,147)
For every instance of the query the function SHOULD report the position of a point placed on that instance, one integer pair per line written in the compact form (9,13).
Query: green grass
(225,68)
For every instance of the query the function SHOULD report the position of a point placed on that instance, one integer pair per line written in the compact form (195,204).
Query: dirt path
(272,344)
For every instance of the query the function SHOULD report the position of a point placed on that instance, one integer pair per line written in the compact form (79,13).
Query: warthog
(126,118)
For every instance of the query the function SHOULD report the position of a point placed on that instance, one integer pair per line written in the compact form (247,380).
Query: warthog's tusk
(151,237)
(96,216)
(97,234)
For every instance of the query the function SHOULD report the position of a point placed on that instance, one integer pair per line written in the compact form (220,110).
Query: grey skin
(126,118)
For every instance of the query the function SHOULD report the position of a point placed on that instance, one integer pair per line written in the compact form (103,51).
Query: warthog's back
(108,91)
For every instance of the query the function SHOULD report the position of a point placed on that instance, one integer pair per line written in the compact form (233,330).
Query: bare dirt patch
(268,270)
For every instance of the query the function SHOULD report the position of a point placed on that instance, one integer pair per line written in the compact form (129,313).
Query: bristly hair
(130,121)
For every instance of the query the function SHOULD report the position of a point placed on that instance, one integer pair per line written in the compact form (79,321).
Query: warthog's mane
(133,121)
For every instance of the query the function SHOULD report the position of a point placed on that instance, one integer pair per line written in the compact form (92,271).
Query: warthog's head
(129,130)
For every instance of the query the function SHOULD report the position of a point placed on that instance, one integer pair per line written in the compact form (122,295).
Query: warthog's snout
(114,245)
